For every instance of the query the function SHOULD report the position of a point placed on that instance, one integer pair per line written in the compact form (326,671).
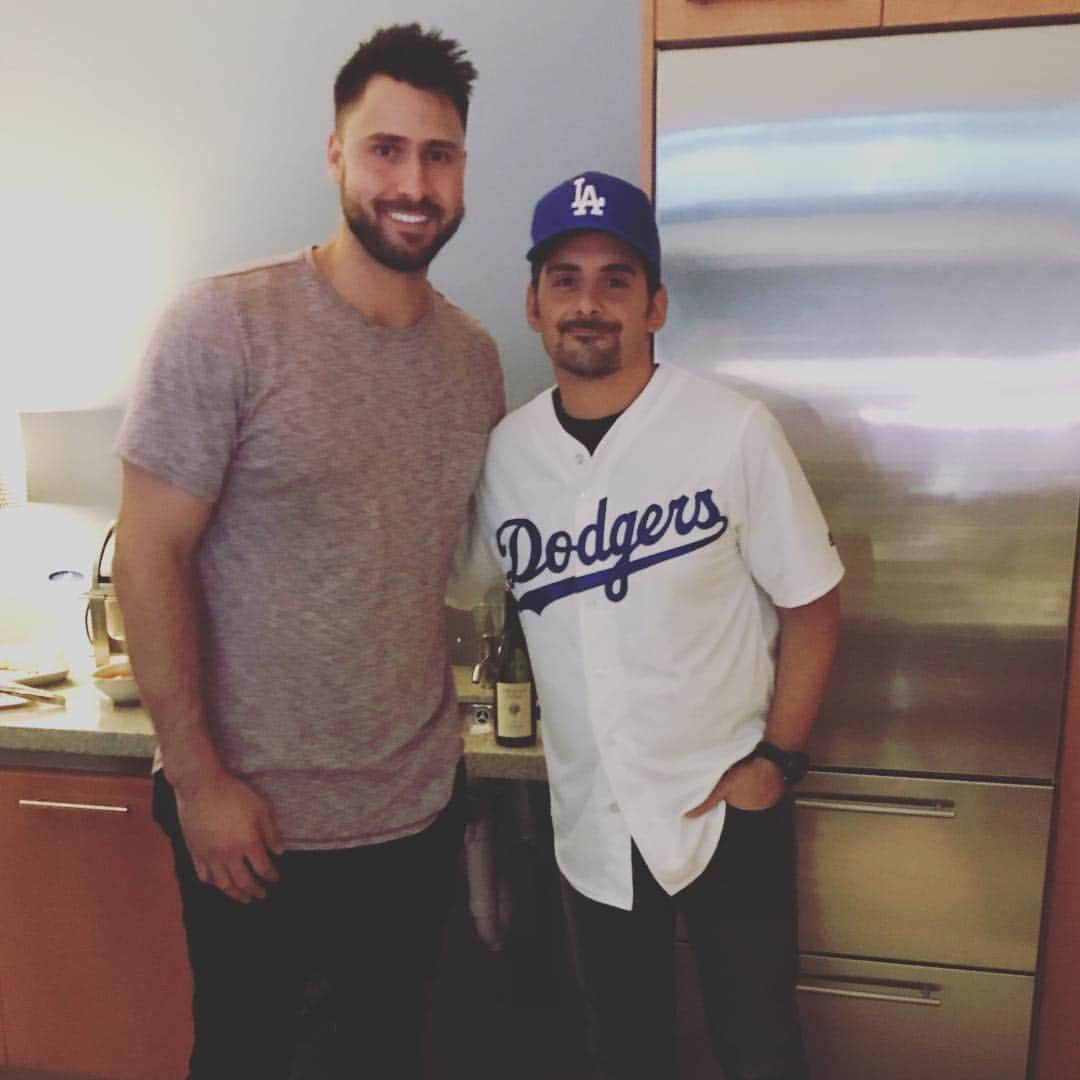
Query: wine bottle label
(513,709)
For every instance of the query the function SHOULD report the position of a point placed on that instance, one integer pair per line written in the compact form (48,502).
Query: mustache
(594,326)
(407,206)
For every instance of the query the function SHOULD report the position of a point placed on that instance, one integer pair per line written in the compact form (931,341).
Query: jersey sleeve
(782,533)
(182,419)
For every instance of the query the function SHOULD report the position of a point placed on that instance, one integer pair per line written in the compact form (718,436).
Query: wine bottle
(515,691)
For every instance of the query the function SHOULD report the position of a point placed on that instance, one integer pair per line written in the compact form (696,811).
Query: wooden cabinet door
(3,1042)
(94,977)
(935,12)
(690,20)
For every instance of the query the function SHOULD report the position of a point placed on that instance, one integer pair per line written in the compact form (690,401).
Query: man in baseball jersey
(677,586)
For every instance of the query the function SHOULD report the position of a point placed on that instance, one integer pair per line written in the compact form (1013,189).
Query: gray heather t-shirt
(340,457)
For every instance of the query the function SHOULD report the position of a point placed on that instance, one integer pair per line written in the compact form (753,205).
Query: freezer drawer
(864,1020)
(895,1021)
(931,871)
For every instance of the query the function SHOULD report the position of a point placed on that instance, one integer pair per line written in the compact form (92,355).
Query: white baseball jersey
(646,576)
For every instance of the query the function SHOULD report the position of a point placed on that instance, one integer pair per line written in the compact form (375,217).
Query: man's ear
(532,307)
(656,315)
(334,153)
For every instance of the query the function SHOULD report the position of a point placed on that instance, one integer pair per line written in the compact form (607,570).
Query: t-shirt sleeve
(496,384)
(783,535)
(182,419)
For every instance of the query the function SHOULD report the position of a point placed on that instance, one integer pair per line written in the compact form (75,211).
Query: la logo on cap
(586,200)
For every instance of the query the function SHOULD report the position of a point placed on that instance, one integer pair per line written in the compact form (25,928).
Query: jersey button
(579,458)
(613,807)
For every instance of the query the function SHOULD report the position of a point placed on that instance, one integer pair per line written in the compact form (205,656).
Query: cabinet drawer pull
(46,804)
(869,995)
(932,808)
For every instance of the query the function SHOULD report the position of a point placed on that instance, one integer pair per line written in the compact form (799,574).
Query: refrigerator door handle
(923,996)
(868,804)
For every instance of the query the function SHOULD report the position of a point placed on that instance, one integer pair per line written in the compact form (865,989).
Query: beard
(376,241)
(588,359)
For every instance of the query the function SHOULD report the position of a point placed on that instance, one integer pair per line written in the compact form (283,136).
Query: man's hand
(750,784)
(231,835)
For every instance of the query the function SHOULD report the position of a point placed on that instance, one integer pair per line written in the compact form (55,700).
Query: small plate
(31,670)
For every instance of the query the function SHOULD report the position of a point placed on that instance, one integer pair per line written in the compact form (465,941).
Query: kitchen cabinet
(691,20)
(939,12)
(93,968)
(684,21)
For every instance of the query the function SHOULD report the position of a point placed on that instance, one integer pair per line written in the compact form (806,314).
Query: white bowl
(116,681)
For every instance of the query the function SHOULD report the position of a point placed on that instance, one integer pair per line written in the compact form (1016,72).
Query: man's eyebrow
(607,268)
(401,140)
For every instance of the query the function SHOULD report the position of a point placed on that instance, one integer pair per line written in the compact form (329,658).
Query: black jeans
(741,917)
(367,921)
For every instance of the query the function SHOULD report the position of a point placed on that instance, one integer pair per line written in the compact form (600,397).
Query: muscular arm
(805,648)
(226,824)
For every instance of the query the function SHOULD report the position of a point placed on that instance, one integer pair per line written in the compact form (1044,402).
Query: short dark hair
(540,256)
(423,59)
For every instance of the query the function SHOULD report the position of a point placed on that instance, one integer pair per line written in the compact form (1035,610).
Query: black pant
(366,921)
(741,916)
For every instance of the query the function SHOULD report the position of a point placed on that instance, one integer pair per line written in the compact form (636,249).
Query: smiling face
(591,306)
(398,157)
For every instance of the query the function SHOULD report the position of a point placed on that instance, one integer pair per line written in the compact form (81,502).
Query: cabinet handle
(46,804)
(932,808)
(871,995)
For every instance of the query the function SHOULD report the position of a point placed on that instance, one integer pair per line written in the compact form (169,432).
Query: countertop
(94,733)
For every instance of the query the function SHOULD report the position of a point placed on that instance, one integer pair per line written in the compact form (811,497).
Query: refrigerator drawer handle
(932,808)
(45,804)
(869,995)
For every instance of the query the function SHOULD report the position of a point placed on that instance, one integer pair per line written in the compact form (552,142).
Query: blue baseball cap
(596,201)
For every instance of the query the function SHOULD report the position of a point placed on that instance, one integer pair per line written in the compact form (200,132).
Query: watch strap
(793,764)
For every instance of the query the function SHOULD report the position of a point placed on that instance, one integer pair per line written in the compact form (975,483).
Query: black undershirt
(587,432)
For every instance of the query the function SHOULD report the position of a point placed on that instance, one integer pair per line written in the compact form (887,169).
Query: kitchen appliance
(880,239)
(103,618)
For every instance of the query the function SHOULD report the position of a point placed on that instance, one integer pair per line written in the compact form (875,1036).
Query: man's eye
(562,281)
(440,156)
(618,283)
(384,150)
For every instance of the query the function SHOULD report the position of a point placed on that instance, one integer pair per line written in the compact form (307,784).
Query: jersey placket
(605,684)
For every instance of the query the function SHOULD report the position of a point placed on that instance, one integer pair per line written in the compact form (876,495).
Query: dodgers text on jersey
(529,553)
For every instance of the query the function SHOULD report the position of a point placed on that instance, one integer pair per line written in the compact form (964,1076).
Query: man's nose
(589,299)
(412,178)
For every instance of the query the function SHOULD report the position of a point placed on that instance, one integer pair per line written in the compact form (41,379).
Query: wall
(156,142)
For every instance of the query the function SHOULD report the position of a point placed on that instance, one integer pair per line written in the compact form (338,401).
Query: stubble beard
(373,237)
(587,360)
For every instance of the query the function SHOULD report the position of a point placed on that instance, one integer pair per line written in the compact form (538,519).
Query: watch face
(793,764)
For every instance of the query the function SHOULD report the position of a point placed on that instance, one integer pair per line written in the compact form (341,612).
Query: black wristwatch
(793,764)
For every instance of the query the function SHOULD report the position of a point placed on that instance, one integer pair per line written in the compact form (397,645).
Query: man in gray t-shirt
(299,457)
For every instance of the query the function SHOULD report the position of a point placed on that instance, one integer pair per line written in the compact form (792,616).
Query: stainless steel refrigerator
(880,238)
